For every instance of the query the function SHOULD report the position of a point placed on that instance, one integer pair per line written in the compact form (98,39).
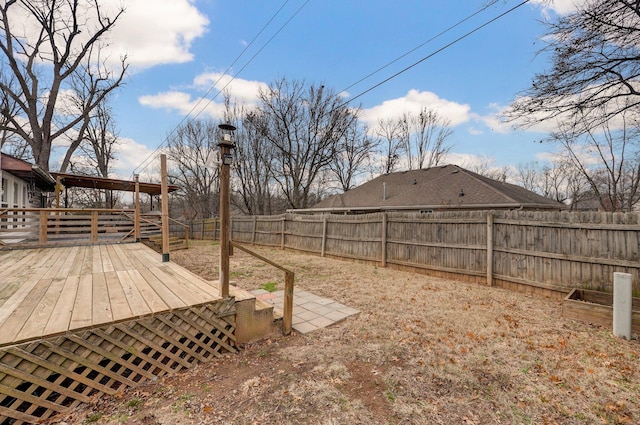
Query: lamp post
(226,144)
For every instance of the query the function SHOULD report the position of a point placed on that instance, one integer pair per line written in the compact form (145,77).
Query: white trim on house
(14,192)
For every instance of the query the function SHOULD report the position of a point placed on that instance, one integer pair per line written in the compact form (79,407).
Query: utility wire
(233,77)
(488,5)
(402,71)
(145,163)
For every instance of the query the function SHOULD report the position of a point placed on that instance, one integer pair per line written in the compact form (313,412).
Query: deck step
(255,319)
(155,242)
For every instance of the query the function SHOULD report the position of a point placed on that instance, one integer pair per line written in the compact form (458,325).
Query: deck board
(59,322)
(16,320)
(42,313)
(82,310)
(115,259)
(76,267)
(127,264)
(160,288)
(107,264)
(117,298)
(96,265)
(101,304)
(137,302)
(55,290)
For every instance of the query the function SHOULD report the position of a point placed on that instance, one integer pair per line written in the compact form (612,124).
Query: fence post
(324,234)
(284,219)
(253,232)
(383,238)
(490,248)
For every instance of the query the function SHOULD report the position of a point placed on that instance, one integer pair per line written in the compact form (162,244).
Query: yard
(422,351)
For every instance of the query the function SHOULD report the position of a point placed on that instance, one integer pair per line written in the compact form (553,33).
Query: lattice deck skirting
(42,378)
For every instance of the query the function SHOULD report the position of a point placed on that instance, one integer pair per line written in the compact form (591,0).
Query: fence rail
(553,251)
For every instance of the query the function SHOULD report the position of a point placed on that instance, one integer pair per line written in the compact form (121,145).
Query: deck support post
(43,227)
(137,210)
(94,226)
(165,209)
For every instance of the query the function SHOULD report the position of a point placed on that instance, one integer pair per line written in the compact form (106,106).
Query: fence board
(554,251)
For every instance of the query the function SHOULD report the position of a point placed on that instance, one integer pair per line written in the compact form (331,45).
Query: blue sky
(179,48)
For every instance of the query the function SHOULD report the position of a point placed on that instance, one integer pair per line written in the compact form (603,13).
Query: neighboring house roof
(27,172)
(446,187)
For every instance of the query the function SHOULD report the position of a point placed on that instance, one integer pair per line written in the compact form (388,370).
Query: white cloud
(158,33)
(245,91)
(147,35)
(560,7)
(413,102)
(183,104)
(129,155)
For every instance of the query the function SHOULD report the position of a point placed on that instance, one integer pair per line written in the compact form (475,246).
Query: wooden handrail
(289,278)
(99,210)
(186,228)
(27,227)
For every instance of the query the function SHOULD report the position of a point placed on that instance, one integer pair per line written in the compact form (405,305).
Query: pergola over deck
(63,226)
(90,182)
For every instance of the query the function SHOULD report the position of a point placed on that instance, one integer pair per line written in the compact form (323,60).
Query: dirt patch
(422,350)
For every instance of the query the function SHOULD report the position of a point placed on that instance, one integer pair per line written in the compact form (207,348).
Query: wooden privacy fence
(553,251)
(206,229)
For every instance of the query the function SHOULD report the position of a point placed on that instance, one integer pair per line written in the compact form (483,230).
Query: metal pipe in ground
(622,304)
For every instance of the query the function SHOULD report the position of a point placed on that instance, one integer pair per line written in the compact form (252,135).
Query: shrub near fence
(551,251)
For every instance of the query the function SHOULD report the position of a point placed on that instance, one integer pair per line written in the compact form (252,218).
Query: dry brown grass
(423,351)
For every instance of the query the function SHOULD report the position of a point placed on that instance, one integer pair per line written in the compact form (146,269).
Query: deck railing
(64,226)
(289,278)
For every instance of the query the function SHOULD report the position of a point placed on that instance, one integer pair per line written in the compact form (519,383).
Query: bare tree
(304,124)
(100,141)
(94,157)
(388,139)
(193,154)
(559,180)
(353,156)
(608,158)
(48,47)
(424,138)
(485,167)
(596,64)
(253,153)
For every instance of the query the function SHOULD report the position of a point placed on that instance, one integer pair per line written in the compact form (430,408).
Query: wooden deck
(49,291)
(78,322)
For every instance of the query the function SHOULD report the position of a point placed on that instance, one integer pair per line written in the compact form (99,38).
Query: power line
(419,46)
(433,53)
(188,117)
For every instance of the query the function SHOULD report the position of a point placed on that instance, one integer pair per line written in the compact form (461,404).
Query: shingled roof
(446,187)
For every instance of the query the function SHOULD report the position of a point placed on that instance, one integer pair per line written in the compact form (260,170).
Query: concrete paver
(310,311)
